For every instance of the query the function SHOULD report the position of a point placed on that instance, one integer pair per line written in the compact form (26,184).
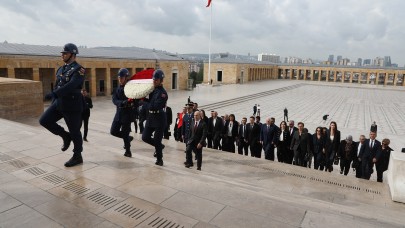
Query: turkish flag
(209,3)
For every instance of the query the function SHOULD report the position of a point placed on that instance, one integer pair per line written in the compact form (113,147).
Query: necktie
(195,126)
(371,143)
(243,131)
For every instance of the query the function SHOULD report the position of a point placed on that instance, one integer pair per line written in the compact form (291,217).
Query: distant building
(338,58)
(387,61)
(294,60)
(268,58)
(343,62)
(367,62)
(331,58)
(194,66)
(359,61)
(378,61)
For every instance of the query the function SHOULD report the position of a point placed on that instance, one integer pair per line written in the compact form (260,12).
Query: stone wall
(20,98)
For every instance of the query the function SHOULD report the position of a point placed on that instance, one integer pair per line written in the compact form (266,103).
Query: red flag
(209,3)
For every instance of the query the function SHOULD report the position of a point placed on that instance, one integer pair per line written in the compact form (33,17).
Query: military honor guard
(67,103)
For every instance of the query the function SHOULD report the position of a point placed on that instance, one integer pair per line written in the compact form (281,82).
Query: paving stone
(23,216)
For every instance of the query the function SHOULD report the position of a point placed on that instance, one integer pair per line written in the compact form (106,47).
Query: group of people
(70,102)
(289,143)
(295,145)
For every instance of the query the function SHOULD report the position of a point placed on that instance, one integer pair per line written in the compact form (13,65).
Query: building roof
(96,52)
(240,61)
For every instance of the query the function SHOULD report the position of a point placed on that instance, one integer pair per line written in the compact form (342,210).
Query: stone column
(335,76)
(35,74)
(351,76)
(107,81)
(395,78)
(368,77)
(319,75)
(93,83)
(343,76)
(359,78)
(11,72)
(376,78)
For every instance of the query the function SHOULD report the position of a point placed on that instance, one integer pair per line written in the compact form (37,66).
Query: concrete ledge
(20,98)
(396,176)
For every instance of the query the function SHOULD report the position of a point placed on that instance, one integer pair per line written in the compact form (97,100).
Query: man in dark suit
(259,145)
(196,141)
(243,145)
(300,145)
(215,125)
(291,129)
(268,138)
(370,153)
(253,137)
(169,116)
(357,161)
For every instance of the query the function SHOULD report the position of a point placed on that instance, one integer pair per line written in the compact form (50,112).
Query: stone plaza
(110,190)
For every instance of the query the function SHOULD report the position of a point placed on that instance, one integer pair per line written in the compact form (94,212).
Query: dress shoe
(154,154)
(163,146)
(199,168)
(84,139)
(188,165)
(66,142)
(128,153)
(75,160)
(159,163)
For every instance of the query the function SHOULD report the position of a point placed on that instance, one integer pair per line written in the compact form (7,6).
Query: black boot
(75,160)
(66,141)
(159,162)
(128,153)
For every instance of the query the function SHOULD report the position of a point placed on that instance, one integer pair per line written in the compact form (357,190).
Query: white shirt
(358,149)
(214,121)
(332,137)
(282,136)
(230,128)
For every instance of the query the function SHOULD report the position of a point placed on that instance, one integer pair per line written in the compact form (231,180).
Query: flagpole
(209,50)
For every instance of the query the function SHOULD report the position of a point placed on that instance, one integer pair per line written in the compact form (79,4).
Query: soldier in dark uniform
(121,125)
(67,103)
(156,119)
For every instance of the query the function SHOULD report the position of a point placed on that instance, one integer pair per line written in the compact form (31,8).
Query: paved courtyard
(110,190)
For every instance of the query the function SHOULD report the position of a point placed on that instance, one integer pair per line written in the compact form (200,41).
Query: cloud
(302,28)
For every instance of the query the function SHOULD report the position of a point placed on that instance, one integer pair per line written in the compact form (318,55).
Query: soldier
(121,125)
(67,103)
(156,119)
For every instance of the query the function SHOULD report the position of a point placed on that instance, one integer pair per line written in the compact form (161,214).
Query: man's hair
(301,123)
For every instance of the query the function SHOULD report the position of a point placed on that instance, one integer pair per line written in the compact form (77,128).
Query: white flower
(138,90)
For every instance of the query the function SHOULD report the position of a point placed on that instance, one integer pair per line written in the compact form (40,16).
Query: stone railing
(20,98)
(396,176)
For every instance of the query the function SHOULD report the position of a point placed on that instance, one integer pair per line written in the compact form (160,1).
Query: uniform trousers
(156,141)
(73,121)
(122,130)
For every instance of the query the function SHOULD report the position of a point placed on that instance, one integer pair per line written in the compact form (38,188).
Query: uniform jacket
(68,85)
(123,114)
(157,101)
(185,128)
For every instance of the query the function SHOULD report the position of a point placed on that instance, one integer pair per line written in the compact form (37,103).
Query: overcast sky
(302,28)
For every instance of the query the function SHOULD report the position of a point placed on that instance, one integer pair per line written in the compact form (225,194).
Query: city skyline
(302,28)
